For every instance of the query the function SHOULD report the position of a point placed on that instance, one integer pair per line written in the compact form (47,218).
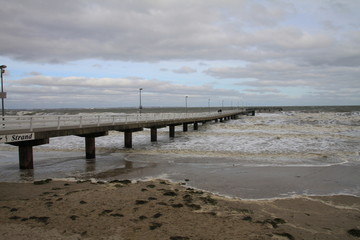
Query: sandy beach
(159,209)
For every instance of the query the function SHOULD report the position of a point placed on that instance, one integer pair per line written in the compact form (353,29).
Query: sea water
(307,150)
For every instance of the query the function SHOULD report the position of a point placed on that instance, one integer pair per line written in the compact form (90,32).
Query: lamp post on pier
(186,110)
(140,106)
(3,94)
(209,104)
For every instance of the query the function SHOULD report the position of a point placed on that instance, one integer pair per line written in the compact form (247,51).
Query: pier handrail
(29,123)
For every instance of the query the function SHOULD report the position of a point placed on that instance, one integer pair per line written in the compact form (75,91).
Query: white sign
(17,137)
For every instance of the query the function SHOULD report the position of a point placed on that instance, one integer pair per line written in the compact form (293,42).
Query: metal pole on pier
(140,106)
(209,104)
(3,94)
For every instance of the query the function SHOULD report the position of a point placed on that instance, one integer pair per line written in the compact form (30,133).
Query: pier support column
(128,136)
(128,139)
(185,127)
(216,120)
(153,134)
(90,149)
(26,158)
(171,131)
(196,126)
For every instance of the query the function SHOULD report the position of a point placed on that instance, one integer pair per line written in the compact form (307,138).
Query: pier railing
(30,123)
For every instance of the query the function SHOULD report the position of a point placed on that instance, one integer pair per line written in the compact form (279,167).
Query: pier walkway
(25,132)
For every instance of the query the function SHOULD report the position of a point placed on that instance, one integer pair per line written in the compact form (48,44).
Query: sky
(99,53)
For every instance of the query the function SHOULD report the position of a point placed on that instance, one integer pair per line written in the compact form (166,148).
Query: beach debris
(287,235)
(142,217)
(106,211)
(162,203)
(157,215)
(73,217)
(154,225)
(179,238)
(126,181)
(194,206)
(117,215)
(179,205)
(187,198)
(247,218)
(354,232)
(82,202)
(40,219)
(170,193)
(40,182)
(140,202)
(209,200)
(273,222)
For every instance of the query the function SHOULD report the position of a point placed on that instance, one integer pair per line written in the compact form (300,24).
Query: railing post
(98,121)
(113,120)
(58,124)
(31,124)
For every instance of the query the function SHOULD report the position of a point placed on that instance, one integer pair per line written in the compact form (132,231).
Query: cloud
(165,30)
(282,74)
(184,70)
(339,82)
(262,47)
(106,92)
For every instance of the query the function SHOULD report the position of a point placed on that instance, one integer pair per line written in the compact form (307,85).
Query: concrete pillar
(90,147)
(26,158)
(128,139)
(196,126)
(185,127)
(172,131)
(216,120)
(153,134)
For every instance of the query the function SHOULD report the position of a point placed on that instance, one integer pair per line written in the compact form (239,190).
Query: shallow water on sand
(269,155)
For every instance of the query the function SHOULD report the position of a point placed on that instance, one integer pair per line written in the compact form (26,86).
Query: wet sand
(162,210)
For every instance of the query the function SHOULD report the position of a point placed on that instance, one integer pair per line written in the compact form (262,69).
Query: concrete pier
(185,127)
(90,151)
(172,131)
(26,159)
(128,139)
(128,136)
(153,133)
(91,130)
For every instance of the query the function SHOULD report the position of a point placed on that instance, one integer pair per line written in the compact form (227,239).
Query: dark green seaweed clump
(40,182)
(354,232)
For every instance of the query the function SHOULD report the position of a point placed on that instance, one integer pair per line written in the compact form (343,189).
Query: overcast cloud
(88,53)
